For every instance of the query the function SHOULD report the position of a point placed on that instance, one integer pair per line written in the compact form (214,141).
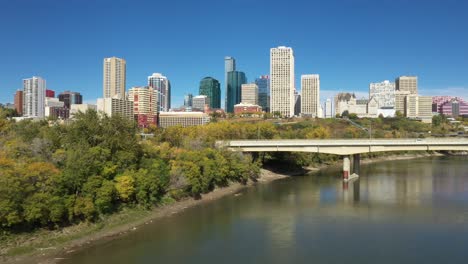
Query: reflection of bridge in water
(350,149)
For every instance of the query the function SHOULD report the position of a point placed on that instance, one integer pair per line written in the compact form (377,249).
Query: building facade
(263,83)
(145,105)
(407,83)
(34,97)
(212,89)
(328,109)
(247,108)
(83,108)
(184,119)
(69,98)
(249,94)
(114,77)
(163,86)
(188,100)
(49,93)
(282,81)
(418,107)
(400,98)
(19,102)
(229,66)
(450,106)
(310,95)
(384,93)
(116,106)
(235,79)
(200,102)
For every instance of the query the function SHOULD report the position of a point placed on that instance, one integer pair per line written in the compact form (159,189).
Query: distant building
(249,93)
(384,93)
(407,83)
(116,106)
(114,77)
(310,95)
(188,100)
(297,103)
(419,107)
(145,105)
(19,102)
(229,66)
(184,119)
(450,106)
(235,79)
(200,102)
(341,101)
(34,97)
(211,88)
(50,93)
(282,81)
(360,107)
(328,109)
(161,84)
(57,112)
(69,98)
(75,108)
(400,97)
(247,108)
(263,83)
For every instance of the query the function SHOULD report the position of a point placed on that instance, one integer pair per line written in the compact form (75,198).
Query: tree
(125,186)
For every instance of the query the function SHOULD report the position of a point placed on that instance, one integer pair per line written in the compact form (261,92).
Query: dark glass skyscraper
(263,83)
(212,89)
(69,98)
(235,79)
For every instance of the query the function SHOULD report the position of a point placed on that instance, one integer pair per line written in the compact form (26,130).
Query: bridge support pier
(351,172)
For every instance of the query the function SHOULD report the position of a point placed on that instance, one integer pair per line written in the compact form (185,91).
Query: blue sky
(350,43)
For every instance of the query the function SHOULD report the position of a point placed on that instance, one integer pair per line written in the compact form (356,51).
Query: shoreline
(58,252)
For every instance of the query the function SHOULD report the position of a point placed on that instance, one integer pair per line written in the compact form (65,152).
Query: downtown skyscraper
(263,83)
(114,77)
(161,84)
(34,97)
(229,65)
(310,95)
(235,81)
(211,88)
(282,81)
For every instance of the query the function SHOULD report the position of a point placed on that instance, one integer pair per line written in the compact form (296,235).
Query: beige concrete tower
(407,83)
(114,77)
(310,95)
(282,81)
(249,93)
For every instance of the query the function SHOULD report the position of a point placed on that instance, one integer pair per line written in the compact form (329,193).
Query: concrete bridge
(350,149)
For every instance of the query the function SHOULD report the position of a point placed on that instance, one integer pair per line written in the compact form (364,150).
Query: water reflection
(398,211)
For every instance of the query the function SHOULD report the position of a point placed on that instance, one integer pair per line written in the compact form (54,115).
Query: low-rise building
(245,108)
(184,119)
(75,108)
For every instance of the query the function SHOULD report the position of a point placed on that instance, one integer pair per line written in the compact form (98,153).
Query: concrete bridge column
(346,168)
(357,164)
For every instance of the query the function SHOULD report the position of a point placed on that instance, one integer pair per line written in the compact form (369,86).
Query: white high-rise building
(328,108)
(145,100)
(282,81)
(163,86)
(114,78)
(34,97)
(310,95)
(384,94)
(249,93)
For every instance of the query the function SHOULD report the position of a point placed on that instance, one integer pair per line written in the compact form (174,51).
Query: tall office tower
(263,83)
(297,103)
(249,93)
(282,80)
(235,80)
(34,97)
(199,102)
(70,98)
(211,88)
(188,100)
(407,83)
(114,77)
(162,84)
(310,95)
(19,102)
(328,109)
(384,93)
(419,107)
(229,65)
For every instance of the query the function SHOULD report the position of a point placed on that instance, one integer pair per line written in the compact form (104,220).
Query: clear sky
(350,43)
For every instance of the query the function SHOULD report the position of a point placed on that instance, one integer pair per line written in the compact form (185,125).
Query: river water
(408,211)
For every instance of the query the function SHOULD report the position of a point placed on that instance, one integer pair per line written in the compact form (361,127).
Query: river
(407,211)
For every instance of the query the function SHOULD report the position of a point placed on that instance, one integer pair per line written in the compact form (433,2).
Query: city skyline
(433,49)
